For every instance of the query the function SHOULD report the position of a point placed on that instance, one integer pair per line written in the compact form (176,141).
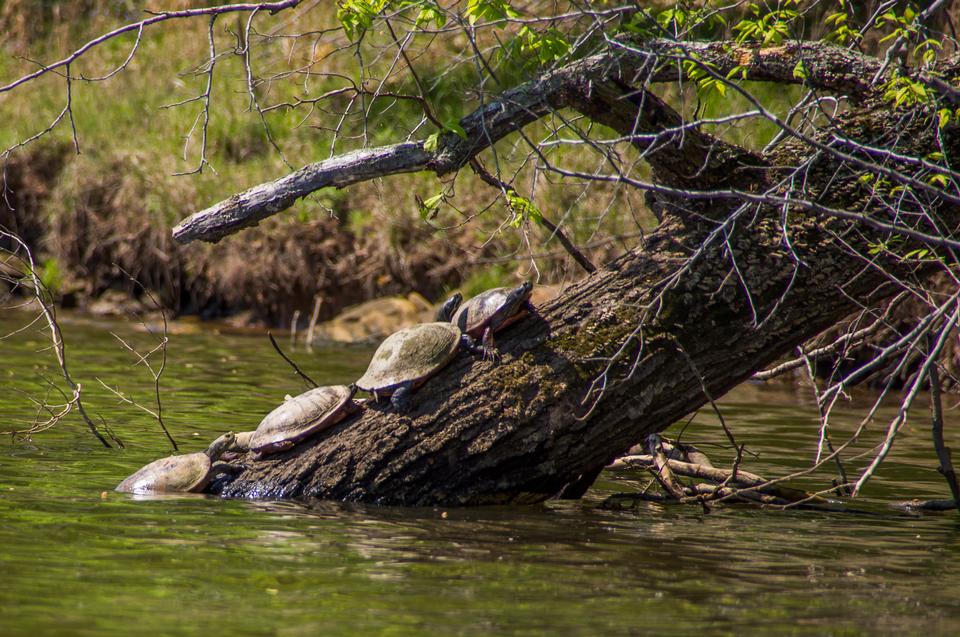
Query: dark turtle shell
(496,308)
(189,472)
(302,416)
(411,355)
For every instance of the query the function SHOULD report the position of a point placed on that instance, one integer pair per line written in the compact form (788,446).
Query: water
(78,559)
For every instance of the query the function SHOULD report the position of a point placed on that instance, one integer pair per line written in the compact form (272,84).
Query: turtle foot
(491,354)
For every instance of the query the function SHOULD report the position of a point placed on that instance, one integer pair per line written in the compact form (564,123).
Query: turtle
(189,472)
(445,312)
(240,446)
(302,416)
(490,312)
(406,359)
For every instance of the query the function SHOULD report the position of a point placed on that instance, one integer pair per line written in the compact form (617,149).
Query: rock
(375,320)
(115,303)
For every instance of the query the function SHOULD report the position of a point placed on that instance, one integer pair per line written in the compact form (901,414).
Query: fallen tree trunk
(520,431)
(725,286)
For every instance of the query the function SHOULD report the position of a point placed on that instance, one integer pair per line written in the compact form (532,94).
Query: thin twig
(296,369)
(943,451)
(568,245)
(49,313)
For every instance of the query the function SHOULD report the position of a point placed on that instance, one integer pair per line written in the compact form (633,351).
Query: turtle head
(220,445)
(445,313)
(517,297)
(514,306)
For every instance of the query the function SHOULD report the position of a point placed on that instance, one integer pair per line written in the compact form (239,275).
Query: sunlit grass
(123,126)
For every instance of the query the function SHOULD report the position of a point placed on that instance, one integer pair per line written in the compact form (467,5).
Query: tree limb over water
(594,86)
(720,290)
(853,201)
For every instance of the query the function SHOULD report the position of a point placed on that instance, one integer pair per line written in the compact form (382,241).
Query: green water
(75,562)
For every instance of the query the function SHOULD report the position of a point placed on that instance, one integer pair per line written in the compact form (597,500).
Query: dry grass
(111,207)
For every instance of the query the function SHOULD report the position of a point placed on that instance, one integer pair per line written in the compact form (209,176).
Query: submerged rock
(375,320)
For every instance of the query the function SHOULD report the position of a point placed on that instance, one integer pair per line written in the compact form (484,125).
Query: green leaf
(356,16)
(490,10)
(433,201)
(523,209)
(800,71)
(429,208)
(431,143)
(431,13)
(453,125)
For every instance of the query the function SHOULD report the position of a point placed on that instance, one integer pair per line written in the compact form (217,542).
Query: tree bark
(713,295)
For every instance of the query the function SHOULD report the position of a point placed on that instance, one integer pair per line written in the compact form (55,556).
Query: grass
(131,146)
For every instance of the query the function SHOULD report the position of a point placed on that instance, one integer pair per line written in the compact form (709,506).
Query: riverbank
(101,217)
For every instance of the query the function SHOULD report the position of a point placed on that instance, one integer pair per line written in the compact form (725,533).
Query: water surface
(78,559)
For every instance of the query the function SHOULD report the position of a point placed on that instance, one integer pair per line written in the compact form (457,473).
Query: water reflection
(75,562)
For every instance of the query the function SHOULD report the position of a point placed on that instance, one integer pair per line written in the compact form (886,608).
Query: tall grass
(131,145)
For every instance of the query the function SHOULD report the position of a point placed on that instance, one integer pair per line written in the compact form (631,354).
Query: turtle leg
(219,469)
(489,347)
(400,399)
(469,345)
(219,472)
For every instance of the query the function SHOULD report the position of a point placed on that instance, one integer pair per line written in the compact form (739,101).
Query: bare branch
(49,313)
(273,7)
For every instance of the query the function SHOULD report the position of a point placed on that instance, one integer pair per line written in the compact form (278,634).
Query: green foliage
(906,92)
(696,71)
(490,10)
(903,24)
(450,125)
(945,116)
(523,210)
(429,207)
(357,16)
(50,275)
(927,50)
(683,19)
(430,12)
(545,47)
(800,71)
(887,246)
(895,243)
(842,32)
(767,28)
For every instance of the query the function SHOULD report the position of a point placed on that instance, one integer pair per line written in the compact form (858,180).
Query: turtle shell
(302,416)
(475,315)
(410,355)
(189,472)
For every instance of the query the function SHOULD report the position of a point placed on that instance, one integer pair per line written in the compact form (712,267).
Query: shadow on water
(78,559)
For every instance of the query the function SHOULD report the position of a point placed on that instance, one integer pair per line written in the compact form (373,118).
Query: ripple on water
(77,558)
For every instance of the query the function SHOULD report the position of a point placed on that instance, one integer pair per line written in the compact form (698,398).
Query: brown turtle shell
(474,315)
(410,355)
(302,416)
(189,472)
